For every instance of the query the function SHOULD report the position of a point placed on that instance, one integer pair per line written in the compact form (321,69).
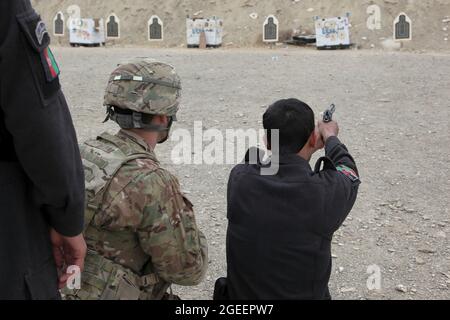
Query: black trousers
(27,268)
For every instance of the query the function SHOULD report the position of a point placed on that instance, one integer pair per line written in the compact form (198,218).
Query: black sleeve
(37,117)
(229,191)
(342,184)
(339,154)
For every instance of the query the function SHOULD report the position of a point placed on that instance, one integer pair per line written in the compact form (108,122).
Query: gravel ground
(393,109)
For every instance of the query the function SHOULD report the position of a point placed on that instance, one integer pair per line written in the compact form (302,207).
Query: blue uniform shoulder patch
(41,31)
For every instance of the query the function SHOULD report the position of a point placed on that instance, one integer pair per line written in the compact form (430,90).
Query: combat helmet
(142,87)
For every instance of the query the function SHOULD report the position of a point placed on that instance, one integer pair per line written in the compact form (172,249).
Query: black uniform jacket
(41,176)
(281,227)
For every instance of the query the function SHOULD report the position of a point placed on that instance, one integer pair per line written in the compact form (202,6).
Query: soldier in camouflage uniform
(140,229)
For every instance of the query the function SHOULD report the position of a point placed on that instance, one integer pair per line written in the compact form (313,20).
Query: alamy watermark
(74,280)
(374,280)
(216,147)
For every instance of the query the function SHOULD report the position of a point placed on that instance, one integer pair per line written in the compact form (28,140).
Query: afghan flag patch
(50,66)
(349,173)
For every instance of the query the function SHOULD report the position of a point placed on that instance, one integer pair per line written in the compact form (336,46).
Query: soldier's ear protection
(128,119)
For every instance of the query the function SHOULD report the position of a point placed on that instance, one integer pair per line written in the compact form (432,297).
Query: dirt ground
(393,109)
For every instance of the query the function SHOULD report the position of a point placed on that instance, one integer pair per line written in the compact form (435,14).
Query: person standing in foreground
(281,226)
(141,230)
(41,176)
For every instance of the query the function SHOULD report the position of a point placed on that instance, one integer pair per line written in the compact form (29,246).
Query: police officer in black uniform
(281,226)
(41,176)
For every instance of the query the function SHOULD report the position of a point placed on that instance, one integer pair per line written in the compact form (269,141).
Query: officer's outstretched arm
(169,234)
(342,185)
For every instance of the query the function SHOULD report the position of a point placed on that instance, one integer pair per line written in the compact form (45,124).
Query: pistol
(328,114)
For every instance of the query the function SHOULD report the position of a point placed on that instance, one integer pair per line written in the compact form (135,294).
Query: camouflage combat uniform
(141,231)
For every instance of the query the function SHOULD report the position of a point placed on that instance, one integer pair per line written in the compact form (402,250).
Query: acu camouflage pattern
(141,234)
(145,97)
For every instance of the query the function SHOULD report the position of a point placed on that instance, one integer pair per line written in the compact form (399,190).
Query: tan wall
(428,18)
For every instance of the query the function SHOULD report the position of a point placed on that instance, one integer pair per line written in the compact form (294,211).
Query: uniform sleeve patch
(349,173)
(50,66)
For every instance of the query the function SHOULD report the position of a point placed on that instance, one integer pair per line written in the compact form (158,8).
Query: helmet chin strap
(169,126)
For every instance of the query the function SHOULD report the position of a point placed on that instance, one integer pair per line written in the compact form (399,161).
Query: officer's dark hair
(295,121)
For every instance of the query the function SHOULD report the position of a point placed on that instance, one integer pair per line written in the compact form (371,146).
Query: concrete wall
(430,19)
